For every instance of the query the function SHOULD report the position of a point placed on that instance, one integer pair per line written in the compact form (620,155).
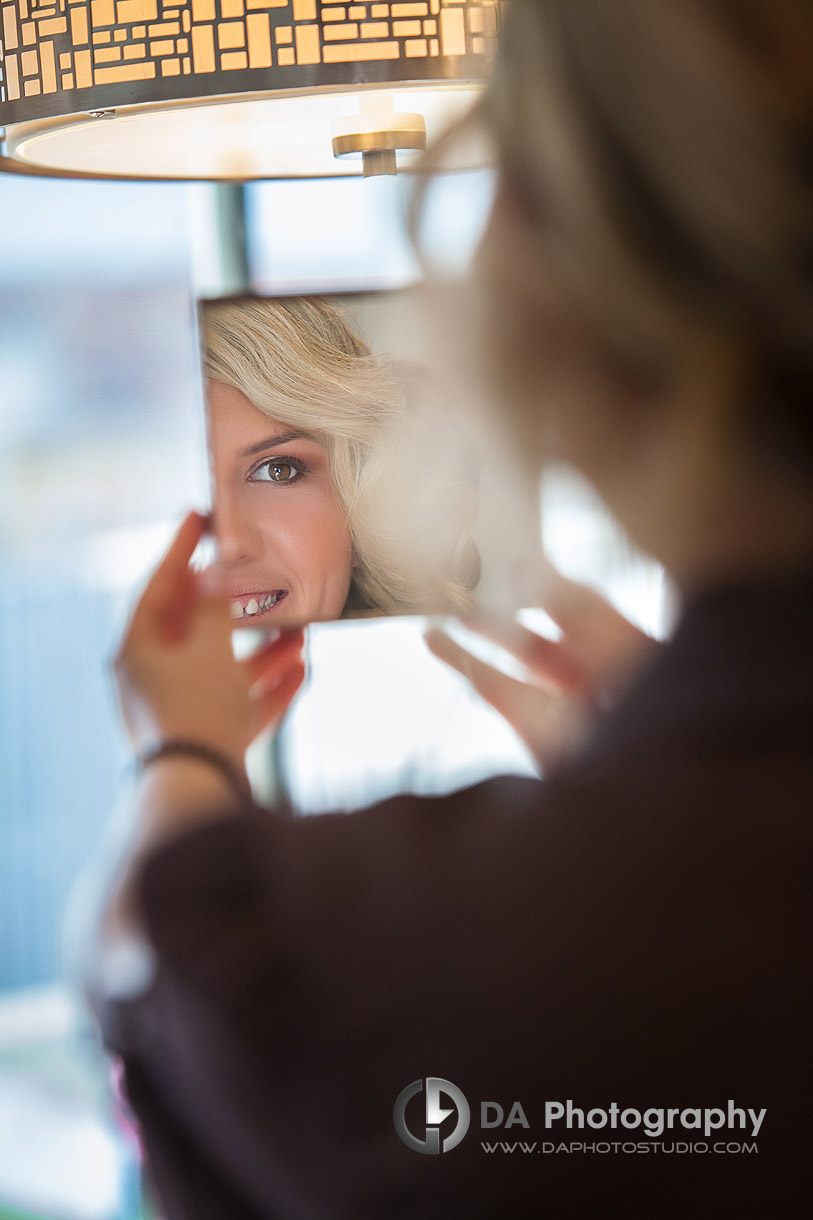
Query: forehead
(234,420)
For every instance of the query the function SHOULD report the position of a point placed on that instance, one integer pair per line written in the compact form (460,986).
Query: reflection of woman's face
(281,531)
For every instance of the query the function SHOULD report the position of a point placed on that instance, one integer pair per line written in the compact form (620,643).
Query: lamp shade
(228,88)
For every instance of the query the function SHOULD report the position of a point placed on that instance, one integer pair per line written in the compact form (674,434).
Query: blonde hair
(298,361)
(663,150)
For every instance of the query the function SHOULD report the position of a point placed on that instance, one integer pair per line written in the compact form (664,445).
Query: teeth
(254,606)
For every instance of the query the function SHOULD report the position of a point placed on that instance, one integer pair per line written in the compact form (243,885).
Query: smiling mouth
(255,605)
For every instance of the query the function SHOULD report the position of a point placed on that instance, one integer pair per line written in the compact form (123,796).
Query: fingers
(551,725)
(276,672)
(495,687)
(272,703)
(526,708)
(598,633)
(597,636)
(265,666)
(167,602)
(213,582)
(547,661)
(446,650)
(174,567)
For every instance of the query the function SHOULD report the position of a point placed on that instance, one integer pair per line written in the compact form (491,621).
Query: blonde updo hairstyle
(299,361)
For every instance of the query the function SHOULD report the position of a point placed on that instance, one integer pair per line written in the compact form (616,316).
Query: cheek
(328,542)
(311,530)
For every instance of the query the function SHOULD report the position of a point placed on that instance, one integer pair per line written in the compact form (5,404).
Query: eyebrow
(273,441)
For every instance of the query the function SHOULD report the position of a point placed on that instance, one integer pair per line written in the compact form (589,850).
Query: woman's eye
(278,470)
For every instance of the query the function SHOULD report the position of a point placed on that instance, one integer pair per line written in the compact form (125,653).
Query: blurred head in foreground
(646,303)
(320,510)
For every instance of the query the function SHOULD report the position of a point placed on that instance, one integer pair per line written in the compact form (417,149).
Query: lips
(256,604)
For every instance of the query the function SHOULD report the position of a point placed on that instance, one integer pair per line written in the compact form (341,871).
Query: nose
(236,532)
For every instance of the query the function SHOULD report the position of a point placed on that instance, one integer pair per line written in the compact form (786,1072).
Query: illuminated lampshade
(233,89)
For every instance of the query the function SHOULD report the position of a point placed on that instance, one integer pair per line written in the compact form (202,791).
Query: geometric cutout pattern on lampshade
(62,57)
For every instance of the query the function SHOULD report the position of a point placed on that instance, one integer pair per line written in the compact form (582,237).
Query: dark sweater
(635,930)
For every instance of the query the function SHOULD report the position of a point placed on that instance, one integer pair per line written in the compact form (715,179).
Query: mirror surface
(341,487)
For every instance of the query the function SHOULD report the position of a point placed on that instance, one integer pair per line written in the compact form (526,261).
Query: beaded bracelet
(180,747)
